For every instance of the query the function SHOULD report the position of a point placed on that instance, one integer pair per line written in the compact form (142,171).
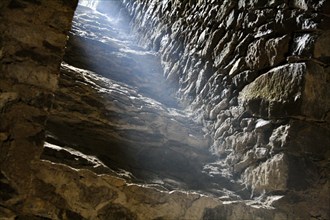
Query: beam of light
(89,3)
(118,55)
(154,134)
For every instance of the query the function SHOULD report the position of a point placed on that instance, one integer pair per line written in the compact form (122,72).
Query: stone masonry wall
(32,41)
(257,75)
(255,72)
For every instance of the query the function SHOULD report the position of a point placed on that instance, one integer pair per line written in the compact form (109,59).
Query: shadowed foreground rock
(254,75)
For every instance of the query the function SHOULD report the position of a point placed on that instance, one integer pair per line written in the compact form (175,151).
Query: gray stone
(303,45)
(264,177)
(270,116)
(275,93)
(256,55)
(276,49)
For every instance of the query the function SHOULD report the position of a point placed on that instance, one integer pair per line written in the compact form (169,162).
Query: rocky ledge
(258,87)
(145,139)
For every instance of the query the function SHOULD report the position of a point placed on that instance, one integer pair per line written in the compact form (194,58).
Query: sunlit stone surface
(248,137)
(128,118)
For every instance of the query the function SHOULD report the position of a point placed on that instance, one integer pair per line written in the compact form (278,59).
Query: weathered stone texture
(33,36)
(256,73)
(252,70)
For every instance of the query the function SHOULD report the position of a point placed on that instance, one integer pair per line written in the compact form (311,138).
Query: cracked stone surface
(116,121)
(248,139)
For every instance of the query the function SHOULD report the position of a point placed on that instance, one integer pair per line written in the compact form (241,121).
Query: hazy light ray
(89,3)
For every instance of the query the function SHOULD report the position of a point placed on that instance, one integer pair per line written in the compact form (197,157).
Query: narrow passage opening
(115,113)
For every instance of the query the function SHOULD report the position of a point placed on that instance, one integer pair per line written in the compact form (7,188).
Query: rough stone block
(291,90)
(256,55)
(276,49)
(268,176)
(279,87)
(6,97)
(315,95)
(321,50)
(33,74)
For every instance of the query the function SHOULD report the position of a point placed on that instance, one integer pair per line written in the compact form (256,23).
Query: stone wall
(257,75)
(32,40)
(255,72)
